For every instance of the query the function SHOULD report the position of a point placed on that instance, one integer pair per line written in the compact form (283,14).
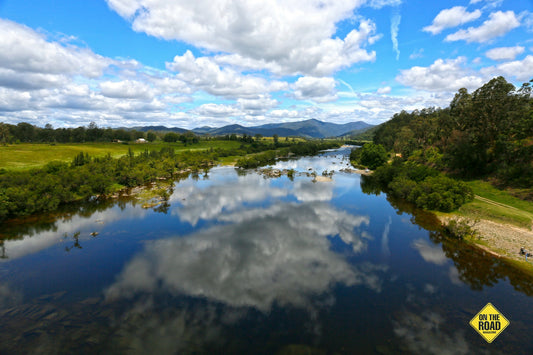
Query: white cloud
(526,18)
(384,90)
(453,17)
(205,74)
(394,28)
(25,81)
(257,106)
(216,110)
(492,4)
(504,53)
(316,89)
(498,24)
(13,100)
(291,37)
(442,75)
(126,89)
(28,61)
(25,51)
(378,4)
(417,54)
(520,69)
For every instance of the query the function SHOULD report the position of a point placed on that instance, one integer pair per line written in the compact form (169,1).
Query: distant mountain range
(309,128)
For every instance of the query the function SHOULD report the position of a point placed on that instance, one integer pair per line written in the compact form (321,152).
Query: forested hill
(486,133)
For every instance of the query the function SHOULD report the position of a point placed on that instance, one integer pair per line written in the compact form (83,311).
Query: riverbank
(504,223)
(499,239)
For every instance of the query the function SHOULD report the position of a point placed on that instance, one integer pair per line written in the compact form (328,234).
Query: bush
(423,186)
(461,229)
(373,155)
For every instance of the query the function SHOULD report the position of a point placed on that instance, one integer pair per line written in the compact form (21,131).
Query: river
(239,262)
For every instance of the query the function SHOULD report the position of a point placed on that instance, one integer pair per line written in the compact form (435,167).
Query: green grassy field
(497,205)
(26,156)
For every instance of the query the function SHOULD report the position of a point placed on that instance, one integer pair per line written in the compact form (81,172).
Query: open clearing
(27,155)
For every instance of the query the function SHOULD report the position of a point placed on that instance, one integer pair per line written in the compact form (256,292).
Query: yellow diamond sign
(489,322)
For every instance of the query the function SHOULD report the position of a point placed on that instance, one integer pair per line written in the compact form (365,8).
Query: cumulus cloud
(257,106)
(47,81)
(504,53)
(25,51)
(519,69)
(316,89)
(126,89)
(13,100)
(205,74)
(216,110)
(442,75)
(28,61)
(296,37)
(453,17)
(498,24)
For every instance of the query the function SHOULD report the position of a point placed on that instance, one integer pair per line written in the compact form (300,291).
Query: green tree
(151,136)
(4,133)
(373,155)
(171,137)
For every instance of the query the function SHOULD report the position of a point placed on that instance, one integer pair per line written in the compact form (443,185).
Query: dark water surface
(242,263)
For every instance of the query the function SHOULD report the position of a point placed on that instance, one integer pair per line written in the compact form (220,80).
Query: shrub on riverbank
(424,186)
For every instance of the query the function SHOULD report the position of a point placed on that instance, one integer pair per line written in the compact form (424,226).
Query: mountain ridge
(311,128)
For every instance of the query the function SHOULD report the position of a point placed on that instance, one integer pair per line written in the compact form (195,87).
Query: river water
(248,264)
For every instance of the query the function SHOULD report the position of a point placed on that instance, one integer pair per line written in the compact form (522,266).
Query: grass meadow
(27,155)
(497,205)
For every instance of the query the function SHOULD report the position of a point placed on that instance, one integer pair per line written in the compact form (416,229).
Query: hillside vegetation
(484,134)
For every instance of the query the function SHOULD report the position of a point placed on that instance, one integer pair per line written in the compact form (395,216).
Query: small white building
(140,140)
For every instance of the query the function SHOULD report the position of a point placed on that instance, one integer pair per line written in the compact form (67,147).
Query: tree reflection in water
(476,268)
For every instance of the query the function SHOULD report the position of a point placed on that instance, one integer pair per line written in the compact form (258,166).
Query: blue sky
(187,64)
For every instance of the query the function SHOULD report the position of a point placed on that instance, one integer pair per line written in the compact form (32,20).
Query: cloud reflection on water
(425,334)
(30,244)
(307,190)
(430,253)
(208,203)
(280,255)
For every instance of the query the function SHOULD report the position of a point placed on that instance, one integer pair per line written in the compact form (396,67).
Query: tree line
(44,189)
(486,133)
(26,133)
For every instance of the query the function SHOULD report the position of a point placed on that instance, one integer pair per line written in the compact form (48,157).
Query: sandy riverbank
(501,240)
